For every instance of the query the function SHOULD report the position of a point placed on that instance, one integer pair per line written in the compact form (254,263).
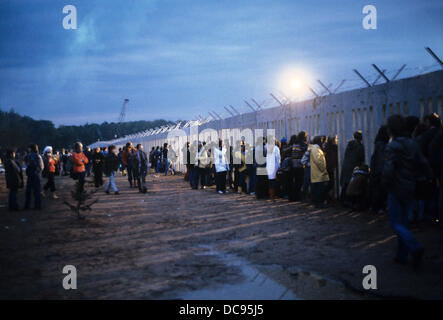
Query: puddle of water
(255,286)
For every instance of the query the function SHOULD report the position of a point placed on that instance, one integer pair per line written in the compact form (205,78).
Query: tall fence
(340,114)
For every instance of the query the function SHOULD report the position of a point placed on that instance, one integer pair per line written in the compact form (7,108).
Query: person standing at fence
(221,167)
(34,167)
(193,175)
(331,154)
(98,160)
(354,157)
(262,186)
(436,159)
(433,125)
(404,164)
(152,159)
(319,173)
(165,158)
(111,167)
(306,162)
(241,169)
(14,179)
(298,148)
(203,165)
(49,172)
(377,192)
(272,165)
(251,168)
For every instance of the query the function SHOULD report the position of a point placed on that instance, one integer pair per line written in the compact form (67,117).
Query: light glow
(293,82)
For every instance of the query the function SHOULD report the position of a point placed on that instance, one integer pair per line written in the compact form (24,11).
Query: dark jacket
(98,160)
(331,155)
(425,139)
(111,163)
(13,174)
(404,165)
(378,159)
(297,151)
(139,163)
(354,157)
(435,152)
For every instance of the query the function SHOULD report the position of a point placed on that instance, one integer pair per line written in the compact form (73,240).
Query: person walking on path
(404,166)
(141,168)
(127,161)
(111,167)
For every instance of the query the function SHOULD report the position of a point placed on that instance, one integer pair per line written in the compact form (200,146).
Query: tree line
(19,131)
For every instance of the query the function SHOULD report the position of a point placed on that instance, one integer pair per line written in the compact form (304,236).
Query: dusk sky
(176,59)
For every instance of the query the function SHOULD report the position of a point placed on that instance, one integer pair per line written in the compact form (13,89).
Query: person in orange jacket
(78,160)
(49,171)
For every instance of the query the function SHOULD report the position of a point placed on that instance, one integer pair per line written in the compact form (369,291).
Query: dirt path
(173,241)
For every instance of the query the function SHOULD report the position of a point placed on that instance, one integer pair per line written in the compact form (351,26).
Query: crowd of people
(403,178)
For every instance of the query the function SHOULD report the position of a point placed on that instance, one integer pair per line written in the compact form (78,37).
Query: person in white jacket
(221,167)
(272,165)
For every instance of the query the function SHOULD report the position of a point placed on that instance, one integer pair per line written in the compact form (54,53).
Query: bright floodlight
(293,82)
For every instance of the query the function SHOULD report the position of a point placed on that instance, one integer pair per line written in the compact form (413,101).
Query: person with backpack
(79,160)
(403,168)
(14,179)
(111,167)
(34,167)
(49,171)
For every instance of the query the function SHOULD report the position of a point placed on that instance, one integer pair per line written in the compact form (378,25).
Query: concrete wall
(339,114)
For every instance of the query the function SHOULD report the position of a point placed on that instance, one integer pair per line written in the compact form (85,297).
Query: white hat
(47,149)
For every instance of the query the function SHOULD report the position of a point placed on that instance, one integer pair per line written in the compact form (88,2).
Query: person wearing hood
(319,172)
(49,171)
(354,157)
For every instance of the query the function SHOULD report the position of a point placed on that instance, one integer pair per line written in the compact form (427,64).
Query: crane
(122,116)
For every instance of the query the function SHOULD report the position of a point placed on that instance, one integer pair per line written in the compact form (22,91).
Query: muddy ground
(174,242)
